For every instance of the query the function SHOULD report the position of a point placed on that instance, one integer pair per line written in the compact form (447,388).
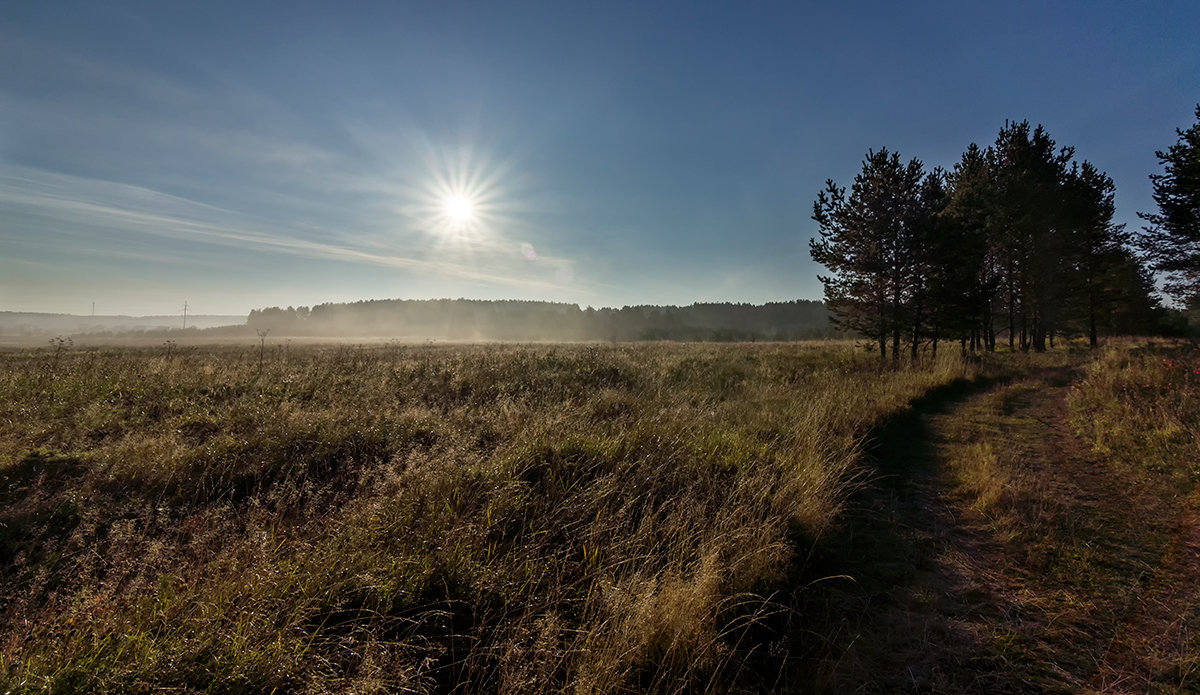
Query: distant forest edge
(468,319)
(30,324)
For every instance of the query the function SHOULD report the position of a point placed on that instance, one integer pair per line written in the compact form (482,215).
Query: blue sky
(245,155)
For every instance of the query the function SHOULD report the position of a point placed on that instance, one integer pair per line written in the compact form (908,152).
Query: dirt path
(996,553)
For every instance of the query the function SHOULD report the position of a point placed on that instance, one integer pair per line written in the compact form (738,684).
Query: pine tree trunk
(1012,309)
(882,330)
(1092,338)
(989,328)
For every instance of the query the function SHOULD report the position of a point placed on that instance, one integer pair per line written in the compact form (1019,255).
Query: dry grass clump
(421,518)
(1141,404)
(1139,408)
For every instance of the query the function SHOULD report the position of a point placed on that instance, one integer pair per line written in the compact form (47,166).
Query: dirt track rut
(997,553)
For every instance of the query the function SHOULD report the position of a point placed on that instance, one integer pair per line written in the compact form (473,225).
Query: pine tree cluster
(1016,244)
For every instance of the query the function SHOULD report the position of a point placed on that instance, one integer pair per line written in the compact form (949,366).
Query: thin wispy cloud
(120,210)
(286,195)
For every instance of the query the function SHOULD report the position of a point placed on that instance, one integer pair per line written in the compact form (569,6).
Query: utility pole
(185,308)
(93,310)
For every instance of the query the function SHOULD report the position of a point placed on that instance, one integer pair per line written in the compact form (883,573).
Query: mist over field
(474,320)
(457,320)
(25,324)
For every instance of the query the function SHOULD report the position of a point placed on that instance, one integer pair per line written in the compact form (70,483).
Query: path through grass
(1000,550)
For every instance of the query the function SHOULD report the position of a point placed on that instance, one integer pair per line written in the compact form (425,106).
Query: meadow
(463,518)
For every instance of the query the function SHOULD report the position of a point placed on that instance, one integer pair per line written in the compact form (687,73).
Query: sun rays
(461,197)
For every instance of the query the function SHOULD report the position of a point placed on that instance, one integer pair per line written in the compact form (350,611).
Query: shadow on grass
(34,513)
(877,599)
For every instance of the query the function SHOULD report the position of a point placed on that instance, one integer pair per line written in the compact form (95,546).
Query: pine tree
(968,272)
(1027,229)
(1129,305)
(1171,242)
(1017,233)
(926,303)
(1096,244)
(868,240)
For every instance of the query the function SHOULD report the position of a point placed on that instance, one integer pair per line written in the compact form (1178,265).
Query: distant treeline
(467,319)
(17,323)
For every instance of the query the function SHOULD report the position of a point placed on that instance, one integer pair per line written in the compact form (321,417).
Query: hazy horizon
(619,154)
(190,314)
(443,320)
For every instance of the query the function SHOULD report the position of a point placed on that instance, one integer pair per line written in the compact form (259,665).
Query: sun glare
(458,209)
(461,198)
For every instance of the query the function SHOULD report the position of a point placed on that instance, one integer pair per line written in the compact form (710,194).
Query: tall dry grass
(1140,404)
(490,518)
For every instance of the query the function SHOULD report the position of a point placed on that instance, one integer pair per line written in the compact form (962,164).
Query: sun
(458,209)
(461,198)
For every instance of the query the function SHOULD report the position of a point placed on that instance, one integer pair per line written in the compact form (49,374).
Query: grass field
(490,518)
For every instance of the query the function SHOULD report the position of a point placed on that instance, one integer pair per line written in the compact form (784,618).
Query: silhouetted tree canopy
(1017,241)
(1171,242)
(870,241)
